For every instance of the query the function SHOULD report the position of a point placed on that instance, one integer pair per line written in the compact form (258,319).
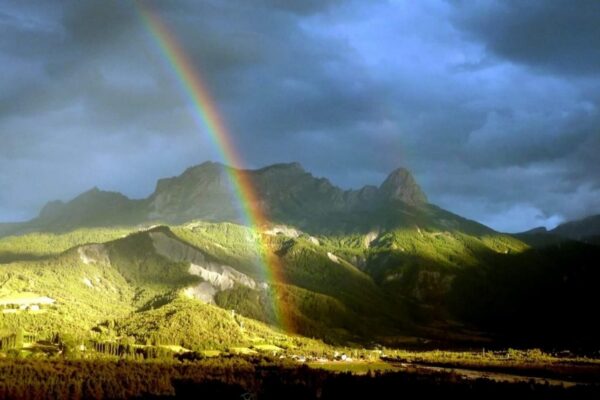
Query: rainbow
(208,118)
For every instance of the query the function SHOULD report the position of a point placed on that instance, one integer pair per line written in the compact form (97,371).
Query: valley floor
(397,374)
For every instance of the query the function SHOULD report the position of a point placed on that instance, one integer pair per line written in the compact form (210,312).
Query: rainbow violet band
(209,120)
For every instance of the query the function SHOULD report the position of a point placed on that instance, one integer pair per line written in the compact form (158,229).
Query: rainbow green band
(207,117)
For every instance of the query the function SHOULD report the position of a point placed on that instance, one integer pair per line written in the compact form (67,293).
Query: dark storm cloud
(556,35)
(494,105)
(301,7)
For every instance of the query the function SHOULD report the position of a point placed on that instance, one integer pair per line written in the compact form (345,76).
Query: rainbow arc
(208,119)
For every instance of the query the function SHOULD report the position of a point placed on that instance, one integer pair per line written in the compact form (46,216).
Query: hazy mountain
(587,229)
(286,193)
(584,230)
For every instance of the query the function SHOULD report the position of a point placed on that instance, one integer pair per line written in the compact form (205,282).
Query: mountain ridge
(286,192)
(585,230)
(377,264)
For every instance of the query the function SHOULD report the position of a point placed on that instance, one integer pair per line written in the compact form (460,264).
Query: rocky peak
(205,167)
(400,185)
(282,168)
(96,195)
(202,175)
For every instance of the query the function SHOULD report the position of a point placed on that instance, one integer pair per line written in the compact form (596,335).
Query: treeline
(233,378)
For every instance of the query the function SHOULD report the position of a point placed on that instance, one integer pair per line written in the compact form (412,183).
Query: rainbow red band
(208,118)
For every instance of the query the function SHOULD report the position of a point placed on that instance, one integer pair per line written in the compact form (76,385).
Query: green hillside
(377,266)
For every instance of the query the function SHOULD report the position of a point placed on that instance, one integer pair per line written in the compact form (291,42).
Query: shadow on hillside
(539,298)
(7,257)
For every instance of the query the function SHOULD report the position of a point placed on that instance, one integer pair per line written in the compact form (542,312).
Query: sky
(493,105)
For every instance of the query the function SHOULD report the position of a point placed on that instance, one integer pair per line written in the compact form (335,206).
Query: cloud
(492,114)
(558,36)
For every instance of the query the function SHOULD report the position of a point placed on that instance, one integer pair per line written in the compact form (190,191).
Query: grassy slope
(152,275)
(198,326)
(321,297)
(78,306)
(540,297)
(136,279)
(374,289)
(38,245)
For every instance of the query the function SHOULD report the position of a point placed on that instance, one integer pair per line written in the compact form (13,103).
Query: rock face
(93,254)
(286,193)
(201,192)
(216,277)
(400,185)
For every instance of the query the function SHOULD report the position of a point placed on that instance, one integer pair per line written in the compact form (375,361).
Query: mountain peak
(100,195)
(205,166)
(92,191)
(292,167)
(401,185)
(537,230)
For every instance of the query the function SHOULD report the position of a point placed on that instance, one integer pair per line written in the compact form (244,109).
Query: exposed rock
(283,192)
(204,292)
(93,254)
(333,257)
(283,230)
(400,185)
(87,283)
(222,277)
(201,192)
(175,250)
(370,238)
(217,277)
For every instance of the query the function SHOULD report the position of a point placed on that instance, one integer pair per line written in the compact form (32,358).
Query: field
(259,377)
(503,366)
(110,370)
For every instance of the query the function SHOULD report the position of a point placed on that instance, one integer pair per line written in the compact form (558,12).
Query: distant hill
(286,192)
(585,230)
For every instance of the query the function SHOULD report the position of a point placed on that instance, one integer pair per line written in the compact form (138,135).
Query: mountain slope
(586,230)
(376,265)
(286,192)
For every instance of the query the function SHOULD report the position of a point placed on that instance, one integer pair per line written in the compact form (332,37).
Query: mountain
(585,230)
(374,265)
(286,192)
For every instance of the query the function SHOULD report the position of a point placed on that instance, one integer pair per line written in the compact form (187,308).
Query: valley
(361,282)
